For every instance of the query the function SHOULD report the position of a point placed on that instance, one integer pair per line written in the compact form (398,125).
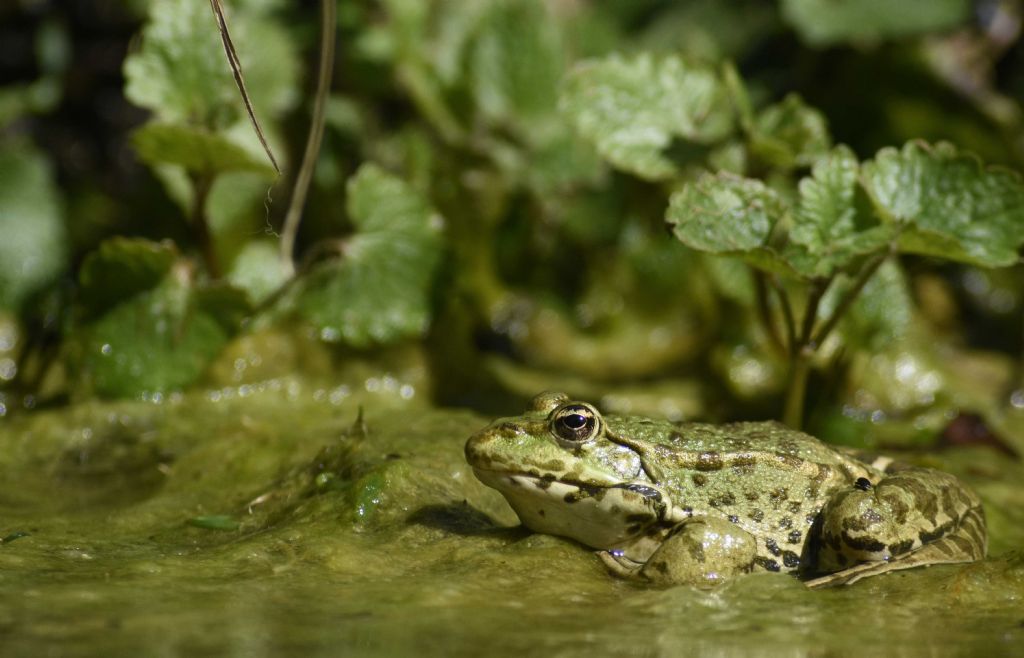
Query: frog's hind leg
(914,517)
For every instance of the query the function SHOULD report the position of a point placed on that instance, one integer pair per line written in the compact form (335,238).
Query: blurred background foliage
(488,211)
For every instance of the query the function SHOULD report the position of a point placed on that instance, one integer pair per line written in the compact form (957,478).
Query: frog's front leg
(702,551)
(912,517)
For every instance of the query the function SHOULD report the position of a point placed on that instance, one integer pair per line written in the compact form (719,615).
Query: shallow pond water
(274,522)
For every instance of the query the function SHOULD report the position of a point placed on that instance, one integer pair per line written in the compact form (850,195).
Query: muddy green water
(266,523)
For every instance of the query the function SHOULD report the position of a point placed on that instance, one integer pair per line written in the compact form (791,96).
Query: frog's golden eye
(576,422)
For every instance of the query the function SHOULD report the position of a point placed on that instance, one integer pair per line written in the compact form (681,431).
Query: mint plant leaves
(947,204)
(144,325)
(378,290)
(633,108)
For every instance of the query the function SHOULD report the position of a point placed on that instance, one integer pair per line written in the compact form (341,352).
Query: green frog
(694,503)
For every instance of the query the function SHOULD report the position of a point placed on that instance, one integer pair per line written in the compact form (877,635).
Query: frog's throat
(606,516)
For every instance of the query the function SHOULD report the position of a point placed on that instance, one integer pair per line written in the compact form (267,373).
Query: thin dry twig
(236,71)
(316,134)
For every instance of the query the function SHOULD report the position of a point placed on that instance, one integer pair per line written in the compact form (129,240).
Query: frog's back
(766,478)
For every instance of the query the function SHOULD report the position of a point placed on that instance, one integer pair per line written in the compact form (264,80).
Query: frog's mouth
(607,516)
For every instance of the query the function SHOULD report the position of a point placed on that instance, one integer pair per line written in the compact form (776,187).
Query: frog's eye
(576,422)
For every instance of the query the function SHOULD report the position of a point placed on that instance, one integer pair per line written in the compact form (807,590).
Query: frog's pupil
(575,421)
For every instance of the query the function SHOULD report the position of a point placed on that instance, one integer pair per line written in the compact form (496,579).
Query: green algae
(282,522)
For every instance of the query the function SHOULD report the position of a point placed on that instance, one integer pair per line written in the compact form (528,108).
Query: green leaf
(947,204)
(258,270)
(121,268)
(822,22)
(832,221)
(516,62)
(182,75)
(882,315)
(379,290)
(790,134)
(196,149)
(34,239)
(153,342)
(633,109)
(729,215)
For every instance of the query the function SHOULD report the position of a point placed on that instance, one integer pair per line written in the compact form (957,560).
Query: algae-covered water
(269,519)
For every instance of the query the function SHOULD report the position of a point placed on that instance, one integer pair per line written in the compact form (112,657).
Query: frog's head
(562,471)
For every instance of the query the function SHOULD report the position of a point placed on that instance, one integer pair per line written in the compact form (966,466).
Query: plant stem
(849,297)
(800,358)
(328,29)
(787,313)
(799,368)
(201,185)
(764,311)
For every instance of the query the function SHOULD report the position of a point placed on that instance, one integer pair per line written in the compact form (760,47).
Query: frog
(690,503)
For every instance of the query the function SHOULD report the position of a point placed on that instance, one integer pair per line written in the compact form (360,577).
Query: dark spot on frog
(866,544)
(790,559)
(661,567)
(757,515)
(752,496)
(785,523)
(901,547)
(675,437)
(795,537)
(772,546)
(766,564)
(709,461)
(392,456)
(733,518)
(554,465)
(725,500)
(926,537)
(541,513)
(778,496)
(791,460)
(863,484)
(637,518)
(545,481)
(699,479)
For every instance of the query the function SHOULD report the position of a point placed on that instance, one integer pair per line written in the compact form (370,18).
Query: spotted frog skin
(696,503)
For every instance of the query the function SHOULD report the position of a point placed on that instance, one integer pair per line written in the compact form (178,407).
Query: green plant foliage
(882,314)
(790,134)
(151,343)
(33,242)
(822,22)
(516,63)
(729,216)
(378,291)
(196,149)
(144,326)
(831,220)
(121,268)
(633,108)
(180,72)
(947,204)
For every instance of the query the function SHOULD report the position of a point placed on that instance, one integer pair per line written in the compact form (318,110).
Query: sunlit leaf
(729,215)
(946,204)
(832,219)
(379,289)
(181,74)
(196,149)
(632,109)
